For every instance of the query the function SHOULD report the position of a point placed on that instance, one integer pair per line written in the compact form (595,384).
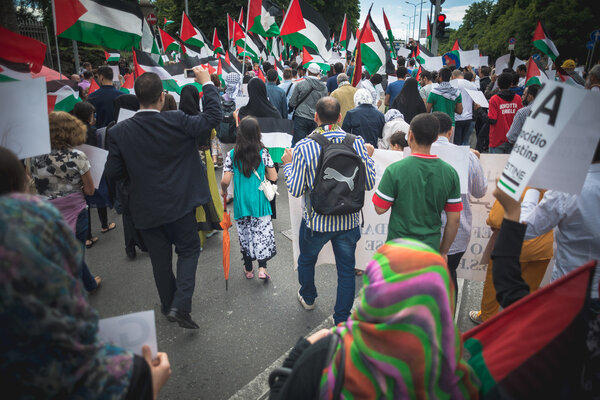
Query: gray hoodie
(317,89)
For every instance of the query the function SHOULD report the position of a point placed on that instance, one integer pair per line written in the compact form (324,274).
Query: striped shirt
(300,177)
(517,124)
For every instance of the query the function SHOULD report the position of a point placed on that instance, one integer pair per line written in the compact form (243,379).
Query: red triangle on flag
(187,29)
(367,35)
(129,81)
(93,87)
(67,14)
(227,58)
(51,103)
(294,20)
(261,75)
(138,70)
(456,46)
(306,56)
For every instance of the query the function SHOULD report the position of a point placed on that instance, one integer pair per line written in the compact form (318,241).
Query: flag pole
(56,37)
(245,41)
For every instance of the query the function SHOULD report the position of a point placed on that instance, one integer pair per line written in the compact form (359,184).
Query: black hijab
(409,102)
(189,101)
(259,105)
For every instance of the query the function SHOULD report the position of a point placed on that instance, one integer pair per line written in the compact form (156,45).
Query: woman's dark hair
(12,172)
(248,146)
(83,111)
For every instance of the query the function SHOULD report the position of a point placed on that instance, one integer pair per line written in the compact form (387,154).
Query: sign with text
(130,331)
(557,142)
(374,231)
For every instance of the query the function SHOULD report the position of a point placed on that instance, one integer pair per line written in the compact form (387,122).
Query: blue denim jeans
(462,132)
(81,232)
(344,247)
(504,148)
(302,128)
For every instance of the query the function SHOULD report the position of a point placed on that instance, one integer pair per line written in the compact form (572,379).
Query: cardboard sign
(557,143)
(374,232)
(130,331)
(478,98)
(456,156)
(125,114)
(97,157)
(24,126)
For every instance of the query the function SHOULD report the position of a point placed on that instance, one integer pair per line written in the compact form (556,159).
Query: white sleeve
(546,215)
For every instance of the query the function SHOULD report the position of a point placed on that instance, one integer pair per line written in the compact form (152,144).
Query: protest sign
(241,101)
(457,156)
(125,114)
(116,72)
(502,63)
(557,143)
(24,126)
(478,98)
(97,157)
(483,61)
(130,331)
(469,57)
(374,231)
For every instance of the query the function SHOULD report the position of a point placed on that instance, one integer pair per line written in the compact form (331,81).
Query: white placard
(125,114)
(502,63)
(483,61)
(478,98)
(403,51)
(432,63)
(456,156)
(469,57)
(24,117)
(557,143)
(116,72)
(97,157)
(374,232)
(130,331)
(241,101)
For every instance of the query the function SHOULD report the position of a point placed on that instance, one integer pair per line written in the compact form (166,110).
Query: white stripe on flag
(110,17)
(276,139)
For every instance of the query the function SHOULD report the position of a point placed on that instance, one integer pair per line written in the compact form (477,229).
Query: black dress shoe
(164,309)
(183,319)
(131,254)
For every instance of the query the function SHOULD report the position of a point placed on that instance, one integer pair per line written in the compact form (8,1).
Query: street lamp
(409,19)
(415,5)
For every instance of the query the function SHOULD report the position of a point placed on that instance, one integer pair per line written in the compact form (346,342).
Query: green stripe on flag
(477,362)
(370,59)
(67,104)
(506,186)
(534,80)
(97,34)
(544,48)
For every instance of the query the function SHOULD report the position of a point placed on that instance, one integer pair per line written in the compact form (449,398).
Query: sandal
(111,226)
(358,272)
(475,317)
(90,242)
(249,274)
(263,275)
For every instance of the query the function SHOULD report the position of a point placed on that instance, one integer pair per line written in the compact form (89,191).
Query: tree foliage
(489,25)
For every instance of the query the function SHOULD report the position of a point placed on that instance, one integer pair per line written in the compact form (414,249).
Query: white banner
(374,231)
(130,331)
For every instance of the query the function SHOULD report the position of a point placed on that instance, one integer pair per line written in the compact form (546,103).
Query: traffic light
(441,26)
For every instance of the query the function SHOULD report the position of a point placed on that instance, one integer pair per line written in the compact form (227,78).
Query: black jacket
(366,121)
(159,155)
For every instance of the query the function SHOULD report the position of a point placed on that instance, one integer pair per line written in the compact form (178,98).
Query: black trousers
(453,261)
(132,235)
(174,292)
(103,215)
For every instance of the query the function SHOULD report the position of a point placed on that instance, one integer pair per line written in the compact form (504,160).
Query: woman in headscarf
(258,105)
(394,122)
(63,177)
(409,101)
(401,341)
(208,215)
(364,120)
(50,347)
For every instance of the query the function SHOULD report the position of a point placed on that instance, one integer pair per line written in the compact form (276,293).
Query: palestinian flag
(456,46)
(112,57)
(93,87)
(169,44)
(303,26)
(345,34)
(190,34)
(375,55)
(542,41)
(148,43)
(10,71)
(535,74)
(332,39)
(109,23)
(232,61)
(260,75)
(22,49)
(230,27)
(310,56)
(275,50)
(351,44)
(567,77)
(128,85)
(62,95)
(535,346)
(276,135)
(241,17)
(261,17)
(144,63)
(420,54)
(279,67)
(418,76)
(247,47)
(428,33)
(167,23)
(220,74)
(216,43)
(390,35)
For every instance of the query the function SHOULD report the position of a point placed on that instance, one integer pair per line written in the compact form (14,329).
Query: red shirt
(503,112)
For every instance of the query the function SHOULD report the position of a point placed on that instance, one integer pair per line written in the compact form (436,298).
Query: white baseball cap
(314,68)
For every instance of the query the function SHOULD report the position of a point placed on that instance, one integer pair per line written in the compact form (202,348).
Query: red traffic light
(441,18)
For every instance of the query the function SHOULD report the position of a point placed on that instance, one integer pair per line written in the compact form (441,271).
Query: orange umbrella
(226,224)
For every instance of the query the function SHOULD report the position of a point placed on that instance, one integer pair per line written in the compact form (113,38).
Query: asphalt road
(245,331)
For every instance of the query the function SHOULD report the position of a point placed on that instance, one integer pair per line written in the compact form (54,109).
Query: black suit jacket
(158,153)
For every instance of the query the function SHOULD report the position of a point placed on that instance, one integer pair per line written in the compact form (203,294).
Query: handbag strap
(257,175)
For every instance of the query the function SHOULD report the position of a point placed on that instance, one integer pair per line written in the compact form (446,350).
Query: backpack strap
(349,141)
(320,139)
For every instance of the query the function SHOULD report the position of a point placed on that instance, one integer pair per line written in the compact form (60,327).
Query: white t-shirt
(467,102)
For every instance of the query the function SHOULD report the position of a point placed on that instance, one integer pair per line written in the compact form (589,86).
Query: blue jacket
(103,100)
(277,97)
(365,121)
(332,83)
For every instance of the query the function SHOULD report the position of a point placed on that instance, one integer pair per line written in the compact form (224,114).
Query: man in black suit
(158,152)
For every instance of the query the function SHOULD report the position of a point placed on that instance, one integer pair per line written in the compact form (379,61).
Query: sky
(395,9)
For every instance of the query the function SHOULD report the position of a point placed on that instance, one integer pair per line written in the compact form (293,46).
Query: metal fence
(37,30)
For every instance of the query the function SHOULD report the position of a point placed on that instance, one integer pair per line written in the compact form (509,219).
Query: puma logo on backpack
(339,185)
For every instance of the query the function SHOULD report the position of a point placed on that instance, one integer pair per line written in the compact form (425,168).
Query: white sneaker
(306,306)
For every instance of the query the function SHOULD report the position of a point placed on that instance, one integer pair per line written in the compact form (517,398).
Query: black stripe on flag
(276,125)
(309,13)
(126,6)
(511,180)
(53,86)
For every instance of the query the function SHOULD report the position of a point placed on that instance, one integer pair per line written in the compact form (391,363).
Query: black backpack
(339,186)
(226,129)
